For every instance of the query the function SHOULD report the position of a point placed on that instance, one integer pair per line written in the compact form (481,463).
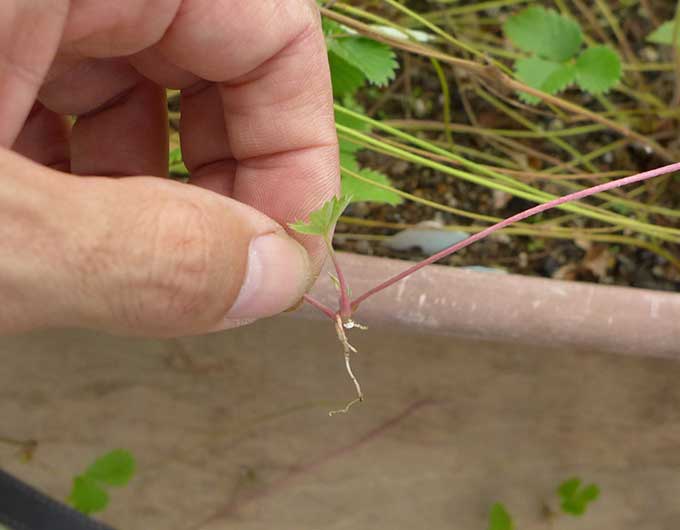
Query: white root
(346,409)
(348,350)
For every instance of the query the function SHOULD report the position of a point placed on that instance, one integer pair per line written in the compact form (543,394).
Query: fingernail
(277,276)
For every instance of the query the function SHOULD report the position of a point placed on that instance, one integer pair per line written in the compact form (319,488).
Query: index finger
(270,63)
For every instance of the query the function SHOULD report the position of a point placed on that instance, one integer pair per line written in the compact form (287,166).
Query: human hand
(142,254)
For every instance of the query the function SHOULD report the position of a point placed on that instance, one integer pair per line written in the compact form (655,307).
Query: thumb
(138,256)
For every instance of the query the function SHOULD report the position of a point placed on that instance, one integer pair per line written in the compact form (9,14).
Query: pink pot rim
(506,307)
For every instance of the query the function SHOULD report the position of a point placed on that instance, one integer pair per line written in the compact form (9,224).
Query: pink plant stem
(321,307)
(517,217)
(345,306)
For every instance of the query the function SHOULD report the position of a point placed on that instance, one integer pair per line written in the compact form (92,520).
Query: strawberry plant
(574,501)
(89,491)
(575,498)
(499,518)
(556,61)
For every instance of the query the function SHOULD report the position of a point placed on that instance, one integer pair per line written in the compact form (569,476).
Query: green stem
(500,181)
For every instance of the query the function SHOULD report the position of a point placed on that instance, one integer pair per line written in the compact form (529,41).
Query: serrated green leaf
(322,221)
(114,469)
(87,496)
(499,518)
(545,33)
(374,59)
(663,34)
(573,507)
(598,69)
(575,500)
(547,76)
(569,487)
(361,191)
(590,493)
(348,157)
(559,79)
(346,79)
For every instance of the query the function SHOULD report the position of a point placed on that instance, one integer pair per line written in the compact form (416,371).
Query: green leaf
(663,34)
(348,158)
(547,76)
(374,59)
(361,191)
(590,493)
(569,487)
(545,33)
(322,221)
(87,496)
(114,469)
(350,103)
(346,78)
(598,69)
(330,27)
(575,499)
(499,518)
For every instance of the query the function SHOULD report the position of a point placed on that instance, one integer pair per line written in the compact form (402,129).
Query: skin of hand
(92,232)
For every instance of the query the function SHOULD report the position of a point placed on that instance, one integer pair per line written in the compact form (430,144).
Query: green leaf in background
(330,27)
(346,78)
(350,103)
(87,496)
(374,59)
(322,221)
(361,191)
(575,499)
(663,34)
(598,69)
(113,469)
(499,518)
(348,157)
(545,33)
(547,76)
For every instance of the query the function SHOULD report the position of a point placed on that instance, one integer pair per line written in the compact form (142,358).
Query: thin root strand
(348,350)
(347,407)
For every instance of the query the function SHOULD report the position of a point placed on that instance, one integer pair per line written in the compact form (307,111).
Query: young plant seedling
(574,498)
(322,222)
(556,60)
(499,518)
(114,469)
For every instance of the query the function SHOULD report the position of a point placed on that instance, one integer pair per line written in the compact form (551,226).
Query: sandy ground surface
(230,430)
